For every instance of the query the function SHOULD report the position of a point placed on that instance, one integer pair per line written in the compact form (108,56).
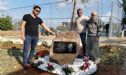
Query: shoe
(30,63)
(26,66)
(97,61)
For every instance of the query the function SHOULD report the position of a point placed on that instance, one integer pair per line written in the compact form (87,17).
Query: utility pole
(110,25)
(98,2)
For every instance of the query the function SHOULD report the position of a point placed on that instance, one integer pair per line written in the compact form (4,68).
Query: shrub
(6,23)
(7,43)
(112,55)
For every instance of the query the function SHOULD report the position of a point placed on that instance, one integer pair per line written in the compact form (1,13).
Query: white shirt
(81,24)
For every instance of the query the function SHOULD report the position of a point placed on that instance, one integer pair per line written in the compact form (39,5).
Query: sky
(59,10)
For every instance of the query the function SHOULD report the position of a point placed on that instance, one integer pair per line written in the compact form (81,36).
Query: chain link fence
(57,15)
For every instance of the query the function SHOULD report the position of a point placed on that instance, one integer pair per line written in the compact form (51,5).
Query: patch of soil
(10,33)
(20,47)
(104,69)
(30,71)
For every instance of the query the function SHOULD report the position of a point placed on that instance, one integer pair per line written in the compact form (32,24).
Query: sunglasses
(93,15)
(37,11)
(79,12)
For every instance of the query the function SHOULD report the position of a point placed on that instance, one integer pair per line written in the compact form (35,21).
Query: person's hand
(53,33)
(23,38)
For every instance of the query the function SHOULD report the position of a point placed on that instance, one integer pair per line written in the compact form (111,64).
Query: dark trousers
(93,47)
(83,38)
(107,33)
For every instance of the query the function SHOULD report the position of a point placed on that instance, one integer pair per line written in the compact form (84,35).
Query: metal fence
(54,14)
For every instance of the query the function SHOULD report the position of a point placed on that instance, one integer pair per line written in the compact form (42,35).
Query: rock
(47,43)
(65,37)
(39,43)
(15,67)
(0,63)
(1,72)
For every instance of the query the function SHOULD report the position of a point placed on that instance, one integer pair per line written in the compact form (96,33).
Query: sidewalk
(113,41)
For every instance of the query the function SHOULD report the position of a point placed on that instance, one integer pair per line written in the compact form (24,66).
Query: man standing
(107,29)
(94,27)
(80,24)
(29,34)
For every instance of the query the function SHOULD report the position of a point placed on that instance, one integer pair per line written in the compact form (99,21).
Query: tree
(6,23)
(124,8)
(74,11)
(124,5)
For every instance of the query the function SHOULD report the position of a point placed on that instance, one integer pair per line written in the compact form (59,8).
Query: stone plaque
(65,47)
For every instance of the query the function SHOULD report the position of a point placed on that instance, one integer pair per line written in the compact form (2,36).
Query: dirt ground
(9,33)
(11,64)
(11,61)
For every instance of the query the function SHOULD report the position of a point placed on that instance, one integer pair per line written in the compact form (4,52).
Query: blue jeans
(29,41)
(83,38)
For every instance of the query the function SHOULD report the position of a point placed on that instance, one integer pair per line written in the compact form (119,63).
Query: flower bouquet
(68,70)
(78,67)
(50,67)
(42,62)
(86,64)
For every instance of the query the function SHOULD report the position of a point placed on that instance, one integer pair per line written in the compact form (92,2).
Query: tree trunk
(73,16)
